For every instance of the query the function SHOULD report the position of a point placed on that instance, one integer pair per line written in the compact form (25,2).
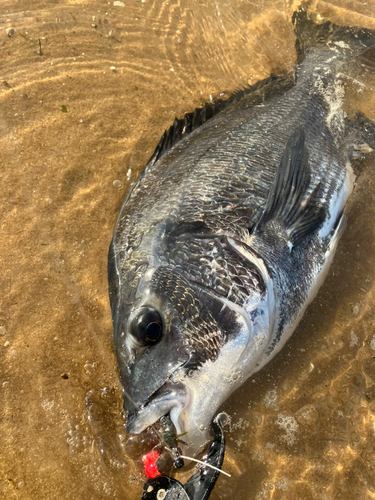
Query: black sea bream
(227,236)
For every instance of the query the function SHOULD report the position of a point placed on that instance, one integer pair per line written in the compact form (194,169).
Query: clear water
(304,427)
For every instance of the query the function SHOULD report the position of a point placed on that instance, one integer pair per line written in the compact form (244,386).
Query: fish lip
(160,404)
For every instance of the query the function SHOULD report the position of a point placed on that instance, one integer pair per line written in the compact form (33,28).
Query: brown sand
(85,111)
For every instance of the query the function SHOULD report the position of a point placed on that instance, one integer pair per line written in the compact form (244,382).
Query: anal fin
(287,203)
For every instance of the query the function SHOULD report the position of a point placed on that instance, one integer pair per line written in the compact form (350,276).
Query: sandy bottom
(86,90)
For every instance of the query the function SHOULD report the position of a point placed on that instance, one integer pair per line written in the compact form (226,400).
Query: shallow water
(87,111)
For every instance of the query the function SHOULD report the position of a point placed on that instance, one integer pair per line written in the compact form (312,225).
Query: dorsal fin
(191,121)
(287,197)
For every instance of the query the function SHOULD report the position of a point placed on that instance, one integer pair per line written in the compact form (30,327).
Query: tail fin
(309,34)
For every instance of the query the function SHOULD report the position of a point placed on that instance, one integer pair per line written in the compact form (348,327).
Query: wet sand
(86,90)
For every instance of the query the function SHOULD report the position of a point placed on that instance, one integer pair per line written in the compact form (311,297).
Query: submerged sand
(86,90)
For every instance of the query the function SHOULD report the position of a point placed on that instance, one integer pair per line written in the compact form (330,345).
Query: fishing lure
(169,441)
(201,484)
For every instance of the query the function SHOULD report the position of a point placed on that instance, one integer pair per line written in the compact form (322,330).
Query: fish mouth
(180,404)
(166,400)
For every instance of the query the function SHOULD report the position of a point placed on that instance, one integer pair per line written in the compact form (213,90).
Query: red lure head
(149,461)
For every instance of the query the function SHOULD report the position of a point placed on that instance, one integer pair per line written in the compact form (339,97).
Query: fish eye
(148,326)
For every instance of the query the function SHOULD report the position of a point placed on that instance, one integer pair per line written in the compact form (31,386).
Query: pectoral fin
(287,201)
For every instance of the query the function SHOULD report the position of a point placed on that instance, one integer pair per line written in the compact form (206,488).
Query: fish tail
(352,40)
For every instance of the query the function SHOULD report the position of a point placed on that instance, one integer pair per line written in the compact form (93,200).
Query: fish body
(225,239)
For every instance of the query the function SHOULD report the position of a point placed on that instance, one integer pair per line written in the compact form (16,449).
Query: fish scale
(233,278)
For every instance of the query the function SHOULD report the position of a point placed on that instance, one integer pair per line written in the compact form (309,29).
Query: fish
(229,232)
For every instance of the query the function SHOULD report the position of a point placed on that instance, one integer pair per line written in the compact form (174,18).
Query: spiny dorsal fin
(286,200)
(191,121)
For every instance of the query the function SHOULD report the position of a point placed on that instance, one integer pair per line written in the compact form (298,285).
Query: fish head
(181,351)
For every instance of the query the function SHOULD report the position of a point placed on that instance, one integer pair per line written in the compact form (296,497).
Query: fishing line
(205,464)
